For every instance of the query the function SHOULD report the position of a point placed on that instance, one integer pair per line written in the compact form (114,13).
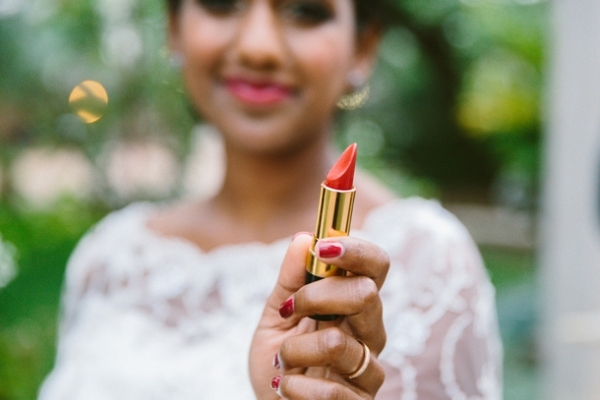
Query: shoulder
(439,306)
(411,221)
(379,212)
(118,224)
(115,232)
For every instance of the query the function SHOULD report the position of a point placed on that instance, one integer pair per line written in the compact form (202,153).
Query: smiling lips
(259,94)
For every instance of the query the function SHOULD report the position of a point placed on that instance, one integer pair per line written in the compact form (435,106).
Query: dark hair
(379,12)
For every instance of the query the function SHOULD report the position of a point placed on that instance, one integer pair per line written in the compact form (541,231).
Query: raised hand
(295,357)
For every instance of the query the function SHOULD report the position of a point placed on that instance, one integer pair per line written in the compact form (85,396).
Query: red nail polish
(330,250)
(275,382)
(276,363)
(287,308)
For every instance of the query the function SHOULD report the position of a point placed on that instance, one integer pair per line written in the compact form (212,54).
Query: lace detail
(149,317)
(438,305)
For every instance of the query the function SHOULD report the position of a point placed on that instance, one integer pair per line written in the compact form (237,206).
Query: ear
(367,45)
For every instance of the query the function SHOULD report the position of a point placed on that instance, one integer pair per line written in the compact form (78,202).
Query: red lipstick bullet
(341,176)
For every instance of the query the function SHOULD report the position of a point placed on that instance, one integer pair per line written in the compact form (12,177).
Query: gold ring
(364,363)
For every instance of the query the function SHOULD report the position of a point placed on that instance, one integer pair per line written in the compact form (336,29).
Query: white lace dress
(150,317)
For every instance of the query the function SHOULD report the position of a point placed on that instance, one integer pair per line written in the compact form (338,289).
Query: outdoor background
(454,114)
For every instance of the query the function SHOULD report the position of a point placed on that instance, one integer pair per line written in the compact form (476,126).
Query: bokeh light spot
(88,100)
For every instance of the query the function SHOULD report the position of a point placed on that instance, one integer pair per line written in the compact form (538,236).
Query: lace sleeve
(439,311)
(89,272)
(98,318)
(150,318)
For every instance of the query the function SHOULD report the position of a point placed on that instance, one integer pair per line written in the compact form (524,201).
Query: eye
(220,7)
(308,12)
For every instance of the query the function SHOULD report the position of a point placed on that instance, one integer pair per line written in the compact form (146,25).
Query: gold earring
(354,100)
(359,95)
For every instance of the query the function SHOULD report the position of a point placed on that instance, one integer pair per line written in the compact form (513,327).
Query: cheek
(325,58)
(203,41)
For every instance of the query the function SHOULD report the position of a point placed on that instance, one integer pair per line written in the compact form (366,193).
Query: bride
(206,299)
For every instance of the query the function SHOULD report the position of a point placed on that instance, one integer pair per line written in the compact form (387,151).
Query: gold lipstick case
(333,219)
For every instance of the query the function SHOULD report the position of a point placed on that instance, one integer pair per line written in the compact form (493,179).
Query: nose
(259,42)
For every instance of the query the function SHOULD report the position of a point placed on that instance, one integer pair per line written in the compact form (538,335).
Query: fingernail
(329,250)
(287,308)
(300,233)
(275,383)
(276,363)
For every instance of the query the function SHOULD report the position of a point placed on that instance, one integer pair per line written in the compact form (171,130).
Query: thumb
(292,274)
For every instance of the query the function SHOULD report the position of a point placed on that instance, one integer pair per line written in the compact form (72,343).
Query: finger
(293,267)
(356,297)
(301,387)
(291,275)
(336,349)
(356,256)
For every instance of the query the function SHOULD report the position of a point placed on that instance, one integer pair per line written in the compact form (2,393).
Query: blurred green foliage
(29,304)
(455,100)
(454,112)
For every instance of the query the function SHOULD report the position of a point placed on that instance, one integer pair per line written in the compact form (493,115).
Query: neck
(262,191)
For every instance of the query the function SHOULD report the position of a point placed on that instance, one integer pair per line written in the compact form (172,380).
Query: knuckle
(366,289)
(379,377)
(383,339)
(369,253)
(385,260)
(332,391)
(335,342)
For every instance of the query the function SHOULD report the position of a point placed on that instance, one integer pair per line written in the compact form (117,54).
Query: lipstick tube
(333,219)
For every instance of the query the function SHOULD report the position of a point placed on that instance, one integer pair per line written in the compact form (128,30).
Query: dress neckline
(142,211)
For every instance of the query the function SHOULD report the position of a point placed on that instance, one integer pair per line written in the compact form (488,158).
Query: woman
(162,301)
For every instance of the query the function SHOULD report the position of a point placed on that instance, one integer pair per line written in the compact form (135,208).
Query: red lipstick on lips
(264,93)
(333,217)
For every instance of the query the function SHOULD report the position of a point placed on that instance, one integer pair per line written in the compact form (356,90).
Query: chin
(268,146)
(263,140)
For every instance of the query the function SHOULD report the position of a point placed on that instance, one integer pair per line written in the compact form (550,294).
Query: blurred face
(267,73)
